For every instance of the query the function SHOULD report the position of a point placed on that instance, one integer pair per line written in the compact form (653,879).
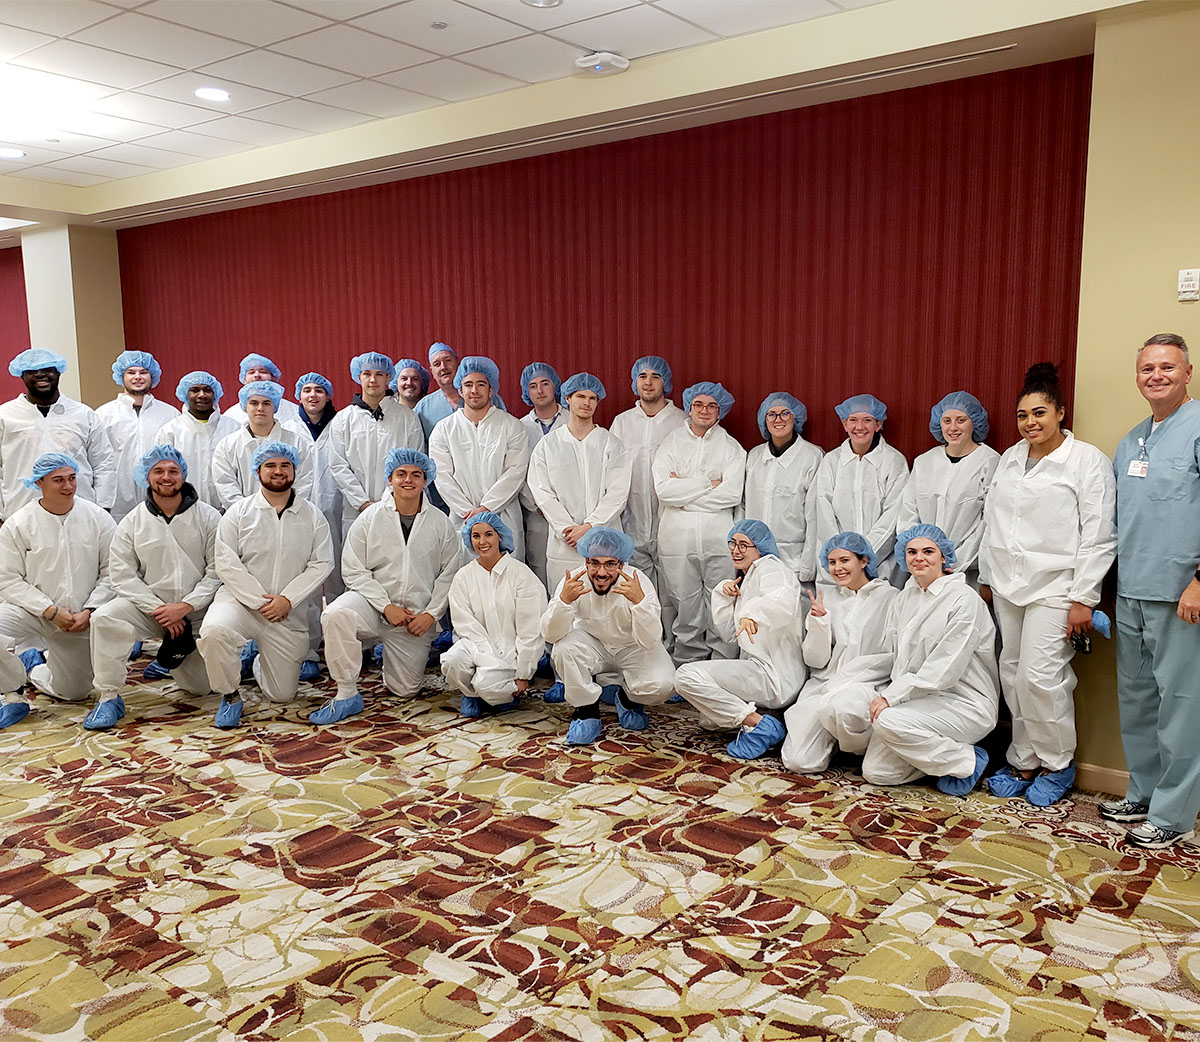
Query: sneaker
(608,694)
(555,693)
(105,715)
(249,654)
(155,671)
(337,710)
(1051,786)
(471,707)
(952,786)
(13,712)
(1149,836)
(584,732)
(309,671)
(1007,783)
(229,713)
(750,745)
(1124,810)
(31,657)
(632,717)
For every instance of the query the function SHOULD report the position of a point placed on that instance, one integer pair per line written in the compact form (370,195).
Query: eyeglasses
(779,414)
(706,406)
(737,544)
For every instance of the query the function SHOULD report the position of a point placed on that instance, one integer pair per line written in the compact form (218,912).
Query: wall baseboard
(1101,779)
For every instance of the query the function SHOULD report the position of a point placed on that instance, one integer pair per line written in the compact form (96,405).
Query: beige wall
(1141,225)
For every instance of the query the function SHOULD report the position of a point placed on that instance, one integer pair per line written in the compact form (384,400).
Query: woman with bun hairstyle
(1049,539)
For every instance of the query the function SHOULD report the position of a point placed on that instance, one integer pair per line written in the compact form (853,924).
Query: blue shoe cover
(249,654)
(337,710)
(961,786)
(471,707)
(555,693)
(31,657)
(443,641)
(377,653)
(674,700)
(608,694)
(584,732)
(229,714)
(1007,783)
(12,712)
(309,671)
(1051,787)
(544,665)
(508,707)
(135,651)
(750,745)
(105,715)
(631,719)
(154,671)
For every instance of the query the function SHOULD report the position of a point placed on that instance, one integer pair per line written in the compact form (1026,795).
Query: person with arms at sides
(848,650)
(781,482)
(258,368)
(54,554)
(759,610)
(42,421)
(411,382)
(1049,540)
(132,420)
(1158,602)
(481,452)
(400,557)
(860,483)
(273,551)
(198,430)
(540,389)
(496,604)
(444,398)
(163,573)
(699,476)
(604,618)
(949,483)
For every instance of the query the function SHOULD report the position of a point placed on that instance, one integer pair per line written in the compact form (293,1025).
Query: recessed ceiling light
(541,3)
(439,25)
(11,153)
(211,93)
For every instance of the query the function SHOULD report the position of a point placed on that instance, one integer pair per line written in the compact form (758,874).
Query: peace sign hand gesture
(818,604)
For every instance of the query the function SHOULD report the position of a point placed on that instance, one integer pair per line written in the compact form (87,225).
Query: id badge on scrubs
(1138,468)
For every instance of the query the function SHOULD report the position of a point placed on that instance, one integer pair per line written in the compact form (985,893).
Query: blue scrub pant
(1158,691)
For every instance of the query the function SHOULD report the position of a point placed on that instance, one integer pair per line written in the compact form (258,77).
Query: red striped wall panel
(14,316)
(906,244)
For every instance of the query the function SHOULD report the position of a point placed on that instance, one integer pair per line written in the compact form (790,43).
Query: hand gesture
(397,615)
(573,587)
(817,610)
(747,626)
(732,587)
(631,588)
(170,616)
(878,705)
(419,625)
(80,621)
(573,533)
(275,608)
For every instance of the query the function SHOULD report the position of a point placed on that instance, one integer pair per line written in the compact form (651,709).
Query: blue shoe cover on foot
(135,651)
(674,700)
(584,732)
(508,707)
(471,707)
(631,719)
(31,657)
(154,671)
(309,671)
(750,745)
(1007,783)
(377,653)
(961,786)
(229,714)
(608,694)
(544,665)
(13,712)
(1051,787)
(249,654)
(105,715)
(443,641)
(555,693)
(338,709)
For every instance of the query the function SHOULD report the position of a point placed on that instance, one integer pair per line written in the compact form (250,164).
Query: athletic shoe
(1149,836)
(1051,786)
(155,671)
(1124,810)
(31,657)
(471,707)
(1007,783)
(337,710)
(750,745)
(952,786)
(555,693)
(608,694)
(229,713)
(585,731)
(309,671)
(249,654)
(105,715)
(13,712)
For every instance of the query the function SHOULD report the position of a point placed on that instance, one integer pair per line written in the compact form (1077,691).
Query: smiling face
(407,481)
(476,391)
(41,383)
(861,427)
(541,392)
(848,570)
(704,413)
(924,560)
(58,489)
(1039,420)
(781,422)
(137,379)
(277,475)
(165,478)
(958,430)
(313,399)
(201,400)
(604,572)
(408,383)
(1163,374)
(650,386)
(485,541)
(743,552)
(443,366)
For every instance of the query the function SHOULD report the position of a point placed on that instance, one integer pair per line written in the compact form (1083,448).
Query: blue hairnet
(46,463)
(267,388)
(582,382)
(144,359)
(437,348)
(605,542)
(313,378)
(194,379)
(275,450)
(371,360)
(855,544)
(723,397)
(405,457)
(141,469)
(477,364)
(488,518)
(861,403)
(258,361)
(758,533)
(655,364)
(36,358)
(535,369)
(922,531)
(964,402)
(410,363)
(795,405)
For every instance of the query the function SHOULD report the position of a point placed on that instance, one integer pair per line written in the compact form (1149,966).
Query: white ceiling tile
(144,109)
(352,50)
(157,158)
(531,58)
(63,141)
(340,9)
(726,19)
(451,80)
(543,18)
(34,154)
(15,41)
(62,177)
(308,115)
(101,167)
(97,124)
(248,131)
(252,21)
(851,4)
(634,33)
(194,144)
(277,72)
(466,27)
(56,17)
(124,3)
(375,99)
(182,88)
(78,60)
(163,41)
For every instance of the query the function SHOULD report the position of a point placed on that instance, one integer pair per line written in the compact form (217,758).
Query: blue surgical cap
(258,361)
(477,364)
(605,542)
(195,379)
(141,469)
(314,378)
(437,348)
(47,463)
(371,360)
(723,398)
(857,545)
(142,359)
(582,382)
(410,363)
(36,358)
(795,405)
(964,402)
(275,450)
(655,364)
(758,533)
(488,518)
(861,403)
(930,532)
(266,388)
(535,369)
(405,457)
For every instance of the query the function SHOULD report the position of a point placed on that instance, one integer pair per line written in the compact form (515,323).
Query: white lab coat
(781,491)
(287,413)
(537,532)
(197,440)
(70,427)
(132,433)
(233,474)
(358,449)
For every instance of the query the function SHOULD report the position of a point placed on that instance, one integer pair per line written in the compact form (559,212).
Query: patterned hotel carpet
(410,875)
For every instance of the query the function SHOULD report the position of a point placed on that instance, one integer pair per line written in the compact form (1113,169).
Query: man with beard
(198,431)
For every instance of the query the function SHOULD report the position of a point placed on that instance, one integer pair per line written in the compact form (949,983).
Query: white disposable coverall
(358,448)
(781,491)
(197,440)
(770,668)
(234,475)
(326,497)
(380,568)
(536,530)
(693,530)
(259,553)
(70,427)
(131,432)
(50,559)
(497,618)
(287,413)
(1049,540)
